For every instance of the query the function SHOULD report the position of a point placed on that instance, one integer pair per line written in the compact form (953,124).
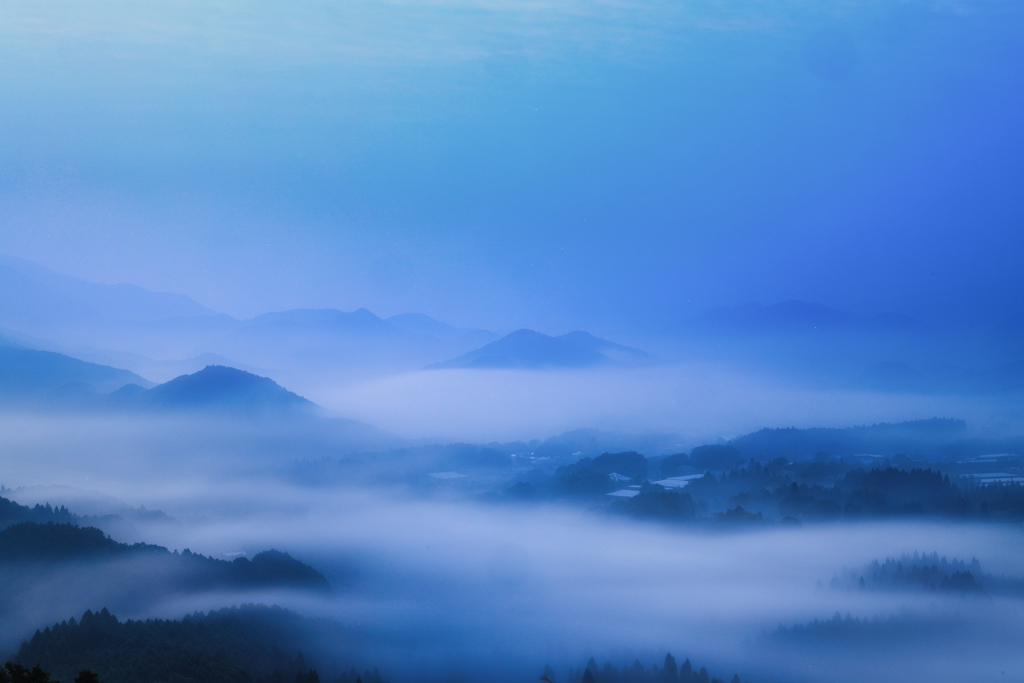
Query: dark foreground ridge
(13,513)
(247,644)
(149,568)
(670,672)
(930,573)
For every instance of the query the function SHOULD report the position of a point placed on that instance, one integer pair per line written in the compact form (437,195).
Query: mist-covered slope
(40,302)
(27,375)
(230,645)
(911,438)
(47,380)
(159,335)
(528,349)
(30,550)
(218,387)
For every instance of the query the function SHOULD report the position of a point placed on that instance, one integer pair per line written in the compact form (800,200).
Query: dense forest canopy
(31,546)
(246,644)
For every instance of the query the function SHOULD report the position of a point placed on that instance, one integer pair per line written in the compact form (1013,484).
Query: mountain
(38,301)
(30,375)
(30,543)
(417,323)
(918,437)
(615,353)
(161,335)
(50,569)
(359,342)
(56,380)
(810,343)
(303,321)
(528,349)
(215,387)
(231,645)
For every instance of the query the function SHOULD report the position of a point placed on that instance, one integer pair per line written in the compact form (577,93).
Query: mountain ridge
(212,388)
(529,349)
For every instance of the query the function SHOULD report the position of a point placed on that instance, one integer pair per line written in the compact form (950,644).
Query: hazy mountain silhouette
(31,375)
(811,343)
(34,547)
(215,387)
(533,350)
(400,333)
(38,301)
(161,334)
(418,323)
(913,437)
(304,321)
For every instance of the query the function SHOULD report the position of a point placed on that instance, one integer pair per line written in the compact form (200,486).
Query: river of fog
(701,401)
(442,587)
(435,588)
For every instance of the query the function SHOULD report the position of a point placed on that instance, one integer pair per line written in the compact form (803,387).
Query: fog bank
(701,402)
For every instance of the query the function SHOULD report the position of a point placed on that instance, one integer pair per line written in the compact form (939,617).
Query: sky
(607,165)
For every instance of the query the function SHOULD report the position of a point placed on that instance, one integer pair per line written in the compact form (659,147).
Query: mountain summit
(527,349)
(215,387)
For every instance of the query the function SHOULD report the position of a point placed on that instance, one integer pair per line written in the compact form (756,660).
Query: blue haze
(554,165)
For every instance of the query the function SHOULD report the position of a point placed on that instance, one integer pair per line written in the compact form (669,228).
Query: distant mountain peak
(529,349)
(29,374)
(421,324)
(219,386)
(38,299)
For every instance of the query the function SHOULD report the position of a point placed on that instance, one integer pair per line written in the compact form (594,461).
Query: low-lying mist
(700,402)
(435,588)
(429,588)
(435,584)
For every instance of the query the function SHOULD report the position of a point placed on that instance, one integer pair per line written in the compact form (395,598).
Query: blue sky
(558,165)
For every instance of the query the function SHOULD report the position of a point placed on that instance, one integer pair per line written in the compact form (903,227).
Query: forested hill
(12,513)
(30,544)
(929,573)
(670,672)
(930,437)
(247,644)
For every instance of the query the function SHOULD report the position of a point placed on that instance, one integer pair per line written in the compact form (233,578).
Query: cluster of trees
(931,573)
(925,437)
(12,513)
(595,476)
(701,459)
(891,632)
(19,673)
(756,492)
(802,474)
(27,545)
(670,672)
(247,644)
